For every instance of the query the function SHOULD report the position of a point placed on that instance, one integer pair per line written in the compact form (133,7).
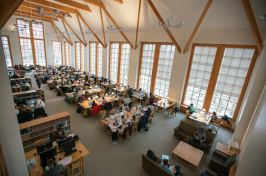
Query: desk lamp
(232,144)
(89,98)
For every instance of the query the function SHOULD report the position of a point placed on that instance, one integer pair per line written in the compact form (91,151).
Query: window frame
(61,51)
(215,73)
(119,60)
(155,63)
(81,67)
(8,41)
(97,57)
(31,38)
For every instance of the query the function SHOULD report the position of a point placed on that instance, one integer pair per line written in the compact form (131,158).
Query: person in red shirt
(82,98)
(94,104)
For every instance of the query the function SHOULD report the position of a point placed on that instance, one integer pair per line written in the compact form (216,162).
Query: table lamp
(89,98)
(232,144)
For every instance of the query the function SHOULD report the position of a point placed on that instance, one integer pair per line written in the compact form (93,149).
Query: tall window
(32,43)
(7,51)
(79,55)
(67,54)
(96,58)
(119,62)
(57,53)
(218,76)
(156,68)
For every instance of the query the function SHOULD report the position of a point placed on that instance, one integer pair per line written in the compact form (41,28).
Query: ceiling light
(168,24)
(115,29)
(263,17)
(56,11)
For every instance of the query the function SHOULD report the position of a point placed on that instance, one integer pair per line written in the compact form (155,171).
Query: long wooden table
(37,170)
(85,104)
(161,107)
(188,155)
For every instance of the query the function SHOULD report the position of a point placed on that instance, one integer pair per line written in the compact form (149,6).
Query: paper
(71,135)
(65,161)
(54,144)
(31,162)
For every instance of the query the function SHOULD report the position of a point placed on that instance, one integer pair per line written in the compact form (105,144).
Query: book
(31,162)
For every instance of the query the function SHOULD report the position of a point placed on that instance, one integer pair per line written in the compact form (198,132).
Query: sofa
(152,167)
(185,131)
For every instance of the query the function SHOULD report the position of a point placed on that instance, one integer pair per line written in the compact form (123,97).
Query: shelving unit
(27,80)
(28,95)
(42,128)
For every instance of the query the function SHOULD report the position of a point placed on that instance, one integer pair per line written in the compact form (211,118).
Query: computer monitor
(30,102)
(59,143)
(68,146)
(48,154)
(43,147)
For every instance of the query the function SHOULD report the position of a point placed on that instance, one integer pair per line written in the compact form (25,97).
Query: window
(166,58)
(7,51)
(79,56)
(96,58)
(156,67)
(57,53)
(93,57)
(67,54)
(119,62)
(32,43)
(100,60)
(218,76)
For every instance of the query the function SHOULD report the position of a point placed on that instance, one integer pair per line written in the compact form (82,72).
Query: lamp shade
(233,144)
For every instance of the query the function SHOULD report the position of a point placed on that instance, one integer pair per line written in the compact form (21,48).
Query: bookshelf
(28,95)
(35,130)
(26,79)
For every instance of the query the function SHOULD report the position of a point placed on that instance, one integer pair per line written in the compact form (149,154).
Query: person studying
(57,135)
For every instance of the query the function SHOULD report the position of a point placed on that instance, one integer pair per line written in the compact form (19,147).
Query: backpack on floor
(79,110)
(86,113)
(58,93)
(68,101)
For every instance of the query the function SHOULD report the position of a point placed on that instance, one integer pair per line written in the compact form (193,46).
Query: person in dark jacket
(58,135)
(52,170)
(39,81)
(199,136)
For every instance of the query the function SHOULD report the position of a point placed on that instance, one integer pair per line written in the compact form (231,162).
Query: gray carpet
(124,159)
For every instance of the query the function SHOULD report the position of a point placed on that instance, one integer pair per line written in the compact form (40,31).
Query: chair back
(112,112)
(135,125)
(76,164)
(39,142)
(102,113)
(187,113)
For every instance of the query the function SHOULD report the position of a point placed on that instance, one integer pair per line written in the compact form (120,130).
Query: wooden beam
(119,1)
(74,4)
(91,30)
(56,33)
(28,9)
(45,8)
(34,15)
(95,2)
(103,28)
(198,25)
(66,31)
(137,31)
(253,24)
(61,33)
(7,8)
(121,32)
(166,29)
(85,44)
(53,5)
(81,30)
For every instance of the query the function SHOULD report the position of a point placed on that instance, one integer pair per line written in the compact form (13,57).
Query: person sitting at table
(51,170)
(199,136)
(133,120)
(140,90)
(130,104)
(125,107)
(82,98)
(104,101)
(122,128)
(58,135)
(15,75)
(25,86)
(114,132)
(144,97)
(94,104)
(214,117)
(148,112)
(191,108)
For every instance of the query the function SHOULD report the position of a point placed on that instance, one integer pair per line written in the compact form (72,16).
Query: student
(114,132)
(148,112)
(94,104)
(191,108)
(39,81)
(51,170)
(122,128)
(82,98)
(104,101)
(165,166)
(214,117)
(199,136)
(25,86)
(58,135)
(125,107)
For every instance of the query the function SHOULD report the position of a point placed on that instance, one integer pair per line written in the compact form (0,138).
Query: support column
(9,129)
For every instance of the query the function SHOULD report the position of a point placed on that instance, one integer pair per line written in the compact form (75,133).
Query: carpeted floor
(124,159)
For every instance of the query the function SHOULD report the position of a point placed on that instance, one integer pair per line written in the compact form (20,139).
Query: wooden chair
(150,117)
(76,164)
(135,126)
(146,102)
(39,142)
(187,117)
(101,114)
(112,112)
(215,126)
(172,111)
(120,102)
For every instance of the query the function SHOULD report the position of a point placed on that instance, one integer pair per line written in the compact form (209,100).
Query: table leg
(83,164)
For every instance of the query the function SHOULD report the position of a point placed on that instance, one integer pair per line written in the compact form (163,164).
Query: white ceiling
(223,14)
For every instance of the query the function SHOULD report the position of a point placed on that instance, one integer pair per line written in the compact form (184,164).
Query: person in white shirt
(114,132)
(125,107)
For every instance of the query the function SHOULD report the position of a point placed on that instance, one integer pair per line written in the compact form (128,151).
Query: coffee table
(188,155)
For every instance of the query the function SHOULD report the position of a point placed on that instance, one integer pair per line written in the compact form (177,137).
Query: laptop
(99,100)
(165,157)
(116,123)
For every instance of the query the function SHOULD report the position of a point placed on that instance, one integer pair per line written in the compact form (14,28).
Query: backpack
(151,155)
(58,93)
(86,113)
(79,110)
